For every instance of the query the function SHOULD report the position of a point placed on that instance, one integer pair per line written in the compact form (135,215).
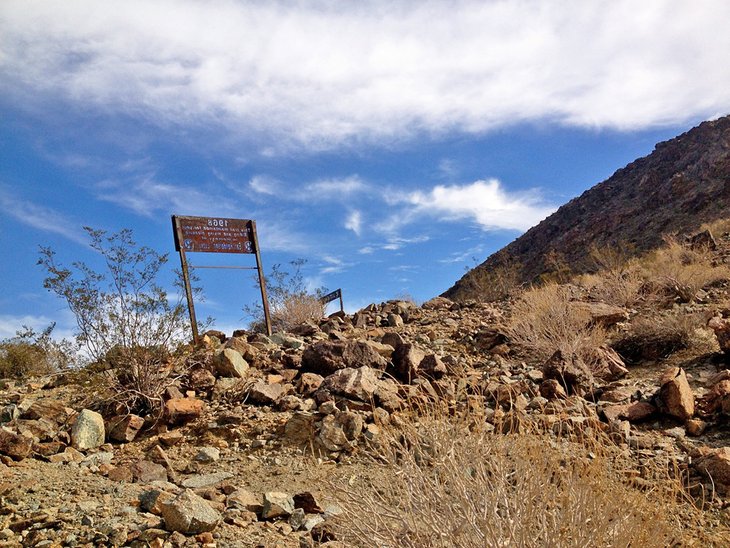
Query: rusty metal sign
(213,235)
(216,235)
(333,296)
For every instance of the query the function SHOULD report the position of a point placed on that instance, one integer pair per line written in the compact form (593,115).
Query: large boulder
(326,357)
(715,464)
(407,358)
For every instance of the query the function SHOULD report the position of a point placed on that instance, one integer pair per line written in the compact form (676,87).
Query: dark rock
(326,357)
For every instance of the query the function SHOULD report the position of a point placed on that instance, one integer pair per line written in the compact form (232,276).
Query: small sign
(333,296)
(213,235)
(337,294)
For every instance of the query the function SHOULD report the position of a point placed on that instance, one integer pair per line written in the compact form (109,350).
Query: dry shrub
(544,320)
(618,279)
(32,353)
(494,284)
(447,482)
(678,271)
(295,309)
(719,226)
(659,336)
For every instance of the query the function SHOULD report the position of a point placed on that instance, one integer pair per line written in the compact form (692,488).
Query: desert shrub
(34,353)
(659,336)
(494,284)
(718,227)
(678,271)
(617,279)
(544,320)
(290,303)
(124,317)
(447,482)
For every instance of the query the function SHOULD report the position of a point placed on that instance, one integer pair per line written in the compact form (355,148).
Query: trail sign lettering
(337,294)
(333,296)
(214,235)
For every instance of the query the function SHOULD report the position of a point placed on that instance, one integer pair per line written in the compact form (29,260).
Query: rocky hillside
(682,184)
(255,432)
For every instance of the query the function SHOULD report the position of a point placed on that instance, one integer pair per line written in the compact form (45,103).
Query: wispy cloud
(340,188)
(262,184)
(485,202)
(40,217)
(318,75)
(11,324)
(146,196)
(354,222)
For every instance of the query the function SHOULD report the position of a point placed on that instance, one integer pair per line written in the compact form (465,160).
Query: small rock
(204,480)
(265,394)
(145,471)
(15,445)
(632,412)
(277,505)
(207,455)
(675,396)
(245,500)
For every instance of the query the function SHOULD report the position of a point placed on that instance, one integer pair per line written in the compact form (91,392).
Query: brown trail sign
(217,235)
(334,295)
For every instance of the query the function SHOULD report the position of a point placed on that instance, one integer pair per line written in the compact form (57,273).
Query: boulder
(675,396)
(570,371)
(432,367)
(632,412)
(245,500)
(230,363)
(145,471)
(124,428)
(406,359)
(721,328)
(715,464)
(15,445)
(277,505)
(189,514)
(180,410)
(200,379)
(88,430)
(264,393)
(309,383)
(326,357)
(359,384)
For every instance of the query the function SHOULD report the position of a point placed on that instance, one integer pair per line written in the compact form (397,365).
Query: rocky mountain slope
(257,431)
(682,184)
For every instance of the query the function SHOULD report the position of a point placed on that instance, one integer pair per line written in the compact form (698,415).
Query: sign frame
(217,235)
(333,296)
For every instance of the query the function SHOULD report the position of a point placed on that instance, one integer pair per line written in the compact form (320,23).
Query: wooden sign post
(217,235)
(334,295)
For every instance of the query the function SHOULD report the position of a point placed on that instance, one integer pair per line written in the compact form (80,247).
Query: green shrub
(32,353)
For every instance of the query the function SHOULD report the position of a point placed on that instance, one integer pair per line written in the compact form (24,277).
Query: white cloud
(485,202)
(11,324)
(318,75)
(262,184)
(341,188)
(354,222)
(147,196)
(40,217)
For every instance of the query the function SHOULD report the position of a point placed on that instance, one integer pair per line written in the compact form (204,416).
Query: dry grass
(659,336)
(494,284)
(544,320)
(447,482)
(294,310)
(678,271)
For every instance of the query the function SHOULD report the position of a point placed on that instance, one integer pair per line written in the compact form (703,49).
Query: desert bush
(659,336)
(718,227)
(124,317)
(617,279)
(494,284)
(34,353)
(544,320)
(290,303)
(678,271)
(448,482)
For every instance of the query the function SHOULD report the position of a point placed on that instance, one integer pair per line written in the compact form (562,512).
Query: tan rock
(88,430)
(124,428)
(675,396)
(715,463)
(632,412)
(179,410)
(14,445)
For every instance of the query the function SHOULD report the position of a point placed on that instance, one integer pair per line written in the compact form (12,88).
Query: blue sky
(387,143)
